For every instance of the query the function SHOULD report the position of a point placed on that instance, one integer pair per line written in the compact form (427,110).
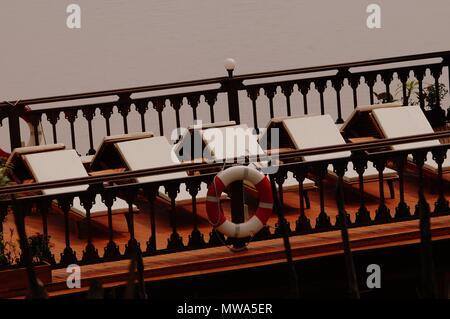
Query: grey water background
(134,43)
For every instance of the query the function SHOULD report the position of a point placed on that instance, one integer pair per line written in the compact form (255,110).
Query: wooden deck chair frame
(126,150)
(33,159)
(290,183)
(417,124)
(294,141)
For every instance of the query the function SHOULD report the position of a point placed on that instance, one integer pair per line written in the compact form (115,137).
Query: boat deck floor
(219,259)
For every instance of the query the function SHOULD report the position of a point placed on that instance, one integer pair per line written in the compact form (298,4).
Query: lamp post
(229,65)
(236,188)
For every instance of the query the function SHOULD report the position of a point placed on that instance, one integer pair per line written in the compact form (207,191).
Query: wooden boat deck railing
(20,206)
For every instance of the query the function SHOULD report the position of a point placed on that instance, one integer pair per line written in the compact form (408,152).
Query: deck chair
(407,121)
(105,156)
(66,164)
(156,152)
(191,142)
(250,148)
(360,125)
(317,131)
(20,173)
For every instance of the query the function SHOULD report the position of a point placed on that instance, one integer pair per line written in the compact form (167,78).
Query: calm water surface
(132,43)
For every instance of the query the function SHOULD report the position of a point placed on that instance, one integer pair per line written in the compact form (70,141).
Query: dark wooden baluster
(216,238)
(270,91)
(194,101)
(44,207)
(343,220)
(427,276)
(339,168)
(279,177)
(151,192)
(112,249)
(402,210)
(159,104)
(253,93)
(387,77)
(132,246)
(68,256)
(323,220)
(360,166)
(354,83)
(142,107)
(71,116)
(338,83)
(175,241)
(106,111)
(53,118)
(90,253)
(304,87)
(176,102)
(436,72)
(303,223)
(196,238)
(211,99)
(441,207)
(382,213)
(124,108)
(88,114)
(320,85)
(287,89)
(403,76)
(419,73)
(370,79)
(419,158)
(35,120)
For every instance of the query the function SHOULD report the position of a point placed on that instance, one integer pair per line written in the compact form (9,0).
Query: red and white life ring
(214,209)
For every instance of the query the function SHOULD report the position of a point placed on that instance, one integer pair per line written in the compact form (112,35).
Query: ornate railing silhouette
(154,103)
(118,185)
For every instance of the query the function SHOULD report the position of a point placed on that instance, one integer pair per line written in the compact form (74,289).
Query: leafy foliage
(4,172)
(9,251)
(39,247)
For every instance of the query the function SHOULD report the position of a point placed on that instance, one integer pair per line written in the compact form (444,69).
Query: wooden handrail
(208,81)
(116,177)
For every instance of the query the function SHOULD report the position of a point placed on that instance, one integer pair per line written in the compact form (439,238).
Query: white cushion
(320,131)
(155,152)
(226,143)
(56,166)
(63,165)
(408,121)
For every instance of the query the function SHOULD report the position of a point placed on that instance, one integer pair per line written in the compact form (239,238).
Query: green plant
(412,87)
(9,252)
(431,96)
(40,247)
(4,172)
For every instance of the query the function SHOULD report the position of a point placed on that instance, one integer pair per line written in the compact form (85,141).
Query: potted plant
(433,111)
(4,169)
(13,275)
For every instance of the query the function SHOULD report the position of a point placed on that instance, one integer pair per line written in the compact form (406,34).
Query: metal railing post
(231,86)
(14,126)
